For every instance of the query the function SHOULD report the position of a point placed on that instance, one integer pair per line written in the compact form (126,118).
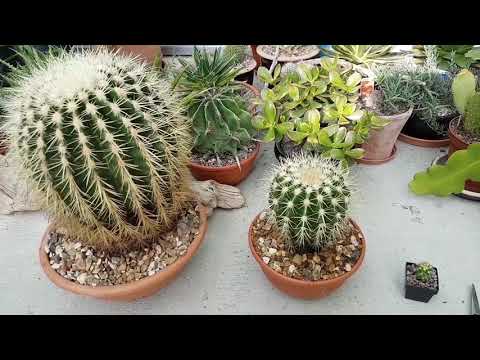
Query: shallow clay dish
(134,290)
(423,142)
(304,289)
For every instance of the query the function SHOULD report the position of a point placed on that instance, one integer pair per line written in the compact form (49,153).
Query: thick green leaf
(323,138)
(463,87)
(270,135)
(474,54)
(270,111)
(293,92)
(443,180)
(277,71)
(297,136)
(264,75)
(354,79)
(356,153)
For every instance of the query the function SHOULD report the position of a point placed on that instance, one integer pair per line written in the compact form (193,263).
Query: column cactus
(467,100)
(103,139)
(309,201)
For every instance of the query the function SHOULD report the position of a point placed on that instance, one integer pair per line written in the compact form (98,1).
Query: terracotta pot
(132,291)
(229,175)
(267,58)
(257,57)
(146,52)
(304,289)
(457,143)
(380,145)
(423,142)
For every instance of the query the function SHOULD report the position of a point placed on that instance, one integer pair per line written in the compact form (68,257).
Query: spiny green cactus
(102,138)
(424,272)
(309,201)
(463,87)
(221,122)
(472,114)
(237,52)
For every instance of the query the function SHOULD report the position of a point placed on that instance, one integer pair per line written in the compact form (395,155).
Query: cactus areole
(309,201)
(101,136)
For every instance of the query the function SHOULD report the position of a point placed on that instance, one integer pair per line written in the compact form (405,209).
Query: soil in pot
(221,160)
(313,268)
(85,265)
(247,70)
(418,128)
(416,289)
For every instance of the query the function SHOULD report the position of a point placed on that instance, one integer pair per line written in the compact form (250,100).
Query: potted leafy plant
(421,281)
(245,62)
(305,242)
(427,91)
(364,57)
(286,53)
(314,109)
(103,141)
(221,112)
(449,57)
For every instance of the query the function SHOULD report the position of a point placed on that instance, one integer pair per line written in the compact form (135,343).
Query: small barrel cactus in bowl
(309,201)
(305,241)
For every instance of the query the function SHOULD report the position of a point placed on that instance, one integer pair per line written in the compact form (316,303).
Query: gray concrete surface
(223,278)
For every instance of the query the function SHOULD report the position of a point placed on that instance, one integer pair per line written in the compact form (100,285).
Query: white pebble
(266,260)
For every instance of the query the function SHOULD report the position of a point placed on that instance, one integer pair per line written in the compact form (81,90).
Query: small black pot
(415,127)
(280,152)
(419,293)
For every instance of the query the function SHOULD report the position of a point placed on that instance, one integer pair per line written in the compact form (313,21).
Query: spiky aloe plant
(364,55)
(309,201)
(102,138)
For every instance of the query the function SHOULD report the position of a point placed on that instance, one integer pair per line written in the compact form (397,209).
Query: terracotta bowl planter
(266,58)
(304,289)
(423,142)
(231,174)
(136,289)
(380,146)
(457,143)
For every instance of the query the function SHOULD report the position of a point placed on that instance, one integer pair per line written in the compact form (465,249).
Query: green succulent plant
(450,57)
(467,100)
(424,272)
(102,138)
(444,180)
(426,90)
(316,107)
(221,122)
(363,55)
(309,200)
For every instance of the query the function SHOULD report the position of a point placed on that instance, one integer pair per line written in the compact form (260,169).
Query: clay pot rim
(307,283)
(454,125)
(379,162)
(423,142)
(252,157)
(314,52)
(247,69)
(110,291)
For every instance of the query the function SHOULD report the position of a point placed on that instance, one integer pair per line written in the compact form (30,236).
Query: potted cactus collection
(305,242)
(221,111)
(314,109)
(421,281)
(102,138)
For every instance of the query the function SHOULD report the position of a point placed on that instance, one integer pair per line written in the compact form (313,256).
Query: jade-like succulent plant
(309,201)
(103,139)
(467,100)
(424,272)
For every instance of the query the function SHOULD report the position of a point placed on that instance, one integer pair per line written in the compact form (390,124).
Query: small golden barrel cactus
(103,138)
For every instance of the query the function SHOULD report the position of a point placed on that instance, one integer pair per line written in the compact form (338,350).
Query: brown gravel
(459,130)
(224,159)
(87,266)
(328,263)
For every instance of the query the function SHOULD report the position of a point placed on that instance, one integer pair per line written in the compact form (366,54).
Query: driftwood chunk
(213,194)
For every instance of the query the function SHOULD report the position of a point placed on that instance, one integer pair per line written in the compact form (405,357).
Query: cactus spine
(472,114)
(309,201)
(237,52)
(102,138)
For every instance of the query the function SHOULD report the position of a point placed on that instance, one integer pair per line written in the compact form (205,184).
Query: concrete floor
(223,278)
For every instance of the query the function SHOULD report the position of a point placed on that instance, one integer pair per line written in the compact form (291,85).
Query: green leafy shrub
(450,57)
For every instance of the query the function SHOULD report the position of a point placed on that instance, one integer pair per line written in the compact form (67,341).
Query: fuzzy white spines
(309,201)
(103,138)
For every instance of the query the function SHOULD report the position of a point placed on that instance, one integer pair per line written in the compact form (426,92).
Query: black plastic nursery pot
(417,128)
(417,293)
